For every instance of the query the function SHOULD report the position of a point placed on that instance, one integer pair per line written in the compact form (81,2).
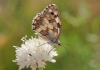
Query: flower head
(34,53)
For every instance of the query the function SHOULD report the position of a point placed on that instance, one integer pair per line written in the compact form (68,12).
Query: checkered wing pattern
(47,24)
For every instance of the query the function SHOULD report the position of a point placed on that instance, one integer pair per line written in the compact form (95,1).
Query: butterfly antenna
(66,49)
(67,44)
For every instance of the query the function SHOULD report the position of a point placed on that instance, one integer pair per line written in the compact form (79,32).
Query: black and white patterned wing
(47,24)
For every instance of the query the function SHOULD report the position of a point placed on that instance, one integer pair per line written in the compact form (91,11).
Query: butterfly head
(58,43)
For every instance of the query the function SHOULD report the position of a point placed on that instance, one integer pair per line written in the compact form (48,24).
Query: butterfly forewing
(47,24)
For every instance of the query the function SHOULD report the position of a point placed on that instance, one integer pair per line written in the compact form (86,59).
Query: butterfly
(47,24)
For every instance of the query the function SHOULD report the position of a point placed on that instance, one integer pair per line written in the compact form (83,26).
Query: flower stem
(41,68)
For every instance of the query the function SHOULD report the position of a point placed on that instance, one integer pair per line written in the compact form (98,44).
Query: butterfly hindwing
(47,24)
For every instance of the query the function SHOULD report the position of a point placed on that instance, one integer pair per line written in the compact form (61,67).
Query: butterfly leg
(51,50)
(41,44)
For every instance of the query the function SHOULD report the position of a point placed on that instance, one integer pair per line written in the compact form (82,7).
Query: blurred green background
(80,28)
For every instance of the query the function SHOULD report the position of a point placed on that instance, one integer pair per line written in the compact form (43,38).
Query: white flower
(34,53)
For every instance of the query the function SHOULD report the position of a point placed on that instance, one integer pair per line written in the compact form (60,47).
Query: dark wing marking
(47,24)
